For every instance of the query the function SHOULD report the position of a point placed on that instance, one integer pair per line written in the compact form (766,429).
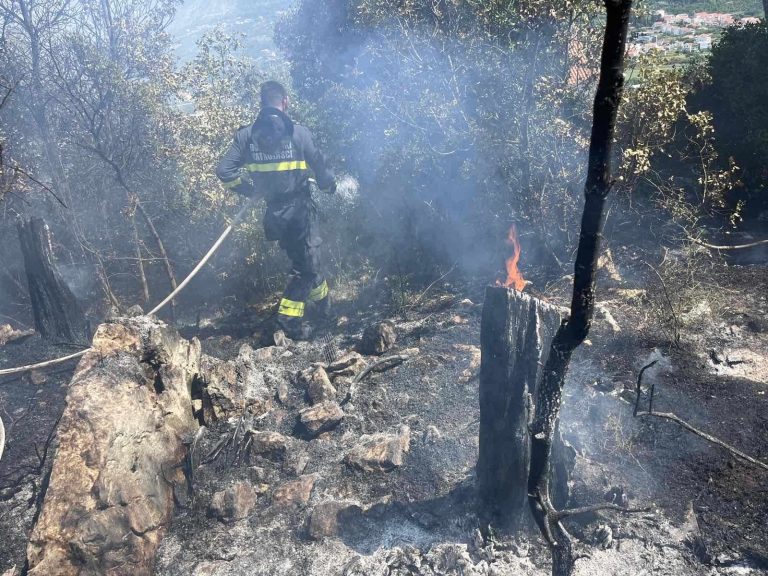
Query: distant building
(704,42)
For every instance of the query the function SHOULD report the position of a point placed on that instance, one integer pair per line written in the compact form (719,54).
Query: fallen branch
(569,513)
(708,437)
(675,418)
(732,247)
(379,366)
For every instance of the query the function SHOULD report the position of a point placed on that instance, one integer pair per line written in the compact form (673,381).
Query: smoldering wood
(515,335)
(57,313)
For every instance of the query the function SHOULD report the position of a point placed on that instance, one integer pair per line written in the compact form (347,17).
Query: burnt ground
(709,511)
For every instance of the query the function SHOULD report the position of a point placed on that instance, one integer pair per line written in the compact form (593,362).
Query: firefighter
(272,159)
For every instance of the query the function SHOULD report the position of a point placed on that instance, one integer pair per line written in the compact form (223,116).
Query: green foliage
(667,148)
(736,96)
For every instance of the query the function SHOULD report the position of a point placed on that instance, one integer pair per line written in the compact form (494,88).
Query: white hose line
(171,296)
(192,274)
(46,364)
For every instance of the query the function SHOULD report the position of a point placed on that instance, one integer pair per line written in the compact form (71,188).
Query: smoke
(347,188)
(431,121)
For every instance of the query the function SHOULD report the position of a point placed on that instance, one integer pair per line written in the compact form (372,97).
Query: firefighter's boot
(294,328)
(321,307)
(290,319)
(323,311)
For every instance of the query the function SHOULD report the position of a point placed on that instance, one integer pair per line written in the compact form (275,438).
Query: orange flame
(514,276)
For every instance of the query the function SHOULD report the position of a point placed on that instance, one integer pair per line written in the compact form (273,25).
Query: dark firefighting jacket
(272,158)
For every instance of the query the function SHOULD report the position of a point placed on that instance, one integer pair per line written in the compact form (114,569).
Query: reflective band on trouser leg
(232,183)
(277,166)
(291,308)
(320,292)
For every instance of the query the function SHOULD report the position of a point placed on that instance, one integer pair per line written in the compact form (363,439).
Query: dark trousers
(295,227)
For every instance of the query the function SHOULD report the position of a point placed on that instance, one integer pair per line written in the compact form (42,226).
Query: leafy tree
(736,95)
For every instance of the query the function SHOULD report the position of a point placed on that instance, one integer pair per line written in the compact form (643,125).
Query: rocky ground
(311,465)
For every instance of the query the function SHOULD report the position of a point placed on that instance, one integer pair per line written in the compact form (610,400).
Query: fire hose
(216,245)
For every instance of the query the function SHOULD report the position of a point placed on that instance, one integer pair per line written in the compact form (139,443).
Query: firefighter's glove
(331,189)
(246,187)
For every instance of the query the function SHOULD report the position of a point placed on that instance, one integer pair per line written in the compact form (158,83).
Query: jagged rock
(8,334)
(451,559)
(350,364)
(381,452)
(235,386)
(318,385)
(110,497)
(328,518)
(432,434)
(378,338)
(281,340)
(261,354)
(295,492)
(134,311)
(296,462)
(269,444)
(282,392)
(233,503)
(321,418)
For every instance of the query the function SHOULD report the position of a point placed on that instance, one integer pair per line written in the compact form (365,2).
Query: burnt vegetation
(547,254)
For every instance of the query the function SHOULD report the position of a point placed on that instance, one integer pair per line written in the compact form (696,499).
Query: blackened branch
(575,330)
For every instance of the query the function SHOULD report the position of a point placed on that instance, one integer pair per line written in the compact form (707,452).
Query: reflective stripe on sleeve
(320,292)
(232,183)
(291,308)
(278,166)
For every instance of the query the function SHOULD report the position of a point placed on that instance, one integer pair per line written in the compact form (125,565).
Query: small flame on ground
(514,276)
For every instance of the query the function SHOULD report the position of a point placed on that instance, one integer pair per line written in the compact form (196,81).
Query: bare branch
(708,437)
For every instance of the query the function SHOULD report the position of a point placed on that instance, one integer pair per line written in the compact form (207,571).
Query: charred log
(57,313)
(515,335)
(575,329)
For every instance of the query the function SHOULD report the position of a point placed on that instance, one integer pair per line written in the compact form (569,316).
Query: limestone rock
(234,503)
(134,311)
(350,364)
(269,443)
(380,452)
(321,418)
(110,497)
(8,334)
(295,492)
(378,338)
(327,518)
(235,386)
(318,385)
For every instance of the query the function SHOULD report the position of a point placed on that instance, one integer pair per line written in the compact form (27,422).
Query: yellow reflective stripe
(232,183)
(320,292)
(278,166)
(291,308)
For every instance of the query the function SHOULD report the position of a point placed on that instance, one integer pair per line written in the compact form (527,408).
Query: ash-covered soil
(303,508)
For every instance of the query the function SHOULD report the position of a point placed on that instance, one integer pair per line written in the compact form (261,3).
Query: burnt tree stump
(515,337)
(56,311)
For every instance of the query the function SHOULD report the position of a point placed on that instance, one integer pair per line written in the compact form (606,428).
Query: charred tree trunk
(515,336)
(57,313)
(575,329)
